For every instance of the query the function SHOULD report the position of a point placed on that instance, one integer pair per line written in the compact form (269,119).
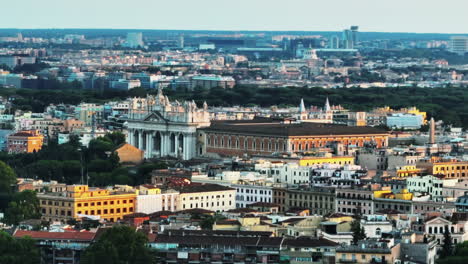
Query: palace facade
(164,128)
(264,136)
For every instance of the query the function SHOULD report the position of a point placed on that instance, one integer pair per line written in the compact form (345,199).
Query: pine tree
(447,248)
(358,231)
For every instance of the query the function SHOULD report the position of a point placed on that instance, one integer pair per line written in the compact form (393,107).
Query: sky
(422,16)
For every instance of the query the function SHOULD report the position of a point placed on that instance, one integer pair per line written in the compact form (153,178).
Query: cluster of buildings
(278,188)
(277,185)
(212,60)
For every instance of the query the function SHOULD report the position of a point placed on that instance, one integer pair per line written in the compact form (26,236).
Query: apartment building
(206,196)
(80,201)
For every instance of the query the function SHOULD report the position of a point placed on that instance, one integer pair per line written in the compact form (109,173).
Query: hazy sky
(434,16)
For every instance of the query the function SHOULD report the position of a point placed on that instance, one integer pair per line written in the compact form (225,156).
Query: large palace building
(163,128)
(267,136)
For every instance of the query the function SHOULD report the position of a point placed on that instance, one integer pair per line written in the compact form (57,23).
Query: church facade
(163,128)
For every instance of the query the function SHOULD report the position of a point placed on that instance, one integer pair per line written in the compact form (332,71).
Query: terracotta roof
(22,134)
(267,126)
(42,235)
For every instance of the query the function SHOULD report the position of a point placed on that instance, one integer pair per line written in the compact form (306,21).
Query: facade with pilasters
(162,128)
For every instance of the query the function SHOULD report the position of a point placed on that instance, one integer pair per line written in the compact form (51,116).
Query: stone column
(176,145)
(190,146)
(185,153)
(140,139)
(163,144)
(149,146)
(130,137)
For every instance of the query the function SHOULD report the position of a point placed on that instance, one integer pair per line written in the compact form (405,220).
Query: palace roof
(277,127)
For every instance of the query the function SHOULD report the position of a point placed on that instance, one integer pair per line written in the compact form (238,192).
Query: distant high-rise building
(350,37)
(459,44)
(334,42)
(134,40)
(347,39)
(181,41)
(354,35)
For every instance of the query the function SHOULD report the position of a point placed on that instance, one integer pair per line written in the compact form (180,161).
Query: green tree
(447,247)
(18,250)
(458,257)
(116,137)
(7,180)
(358,231)
(208,221)
(24,206)
(119,245)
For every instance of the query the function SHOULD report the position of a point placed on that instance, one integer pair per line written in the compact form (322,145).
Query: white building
(405,121)
(207,196)
(163,128)
(429,184)
(375,225)
(248,193)
(291,173)
(459,44)
(148,203)
(124,84)
(134,40)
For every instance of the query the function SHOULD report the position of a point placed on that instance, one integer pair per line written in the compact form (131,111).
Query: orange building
(80,201)
(267,136)
(26,141)
(129,154)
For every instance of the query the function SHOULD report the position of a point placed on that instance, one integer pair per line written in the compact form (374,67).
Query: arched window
(378,231)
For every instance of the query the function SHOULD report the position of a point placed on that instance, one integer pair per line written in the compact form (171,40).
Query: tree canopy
(18,250)
(24,206)
(7,179)
(119,245)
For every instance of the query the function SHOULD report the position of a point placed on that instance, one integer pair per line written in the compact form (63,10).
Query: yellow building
(27,141)
(368,252)
(409,171)
(341,160)
(80,200)
(447,168)
(388,194)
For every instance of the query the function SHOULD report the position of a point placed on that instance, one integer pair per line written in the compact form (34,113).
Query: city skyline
(298,15)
